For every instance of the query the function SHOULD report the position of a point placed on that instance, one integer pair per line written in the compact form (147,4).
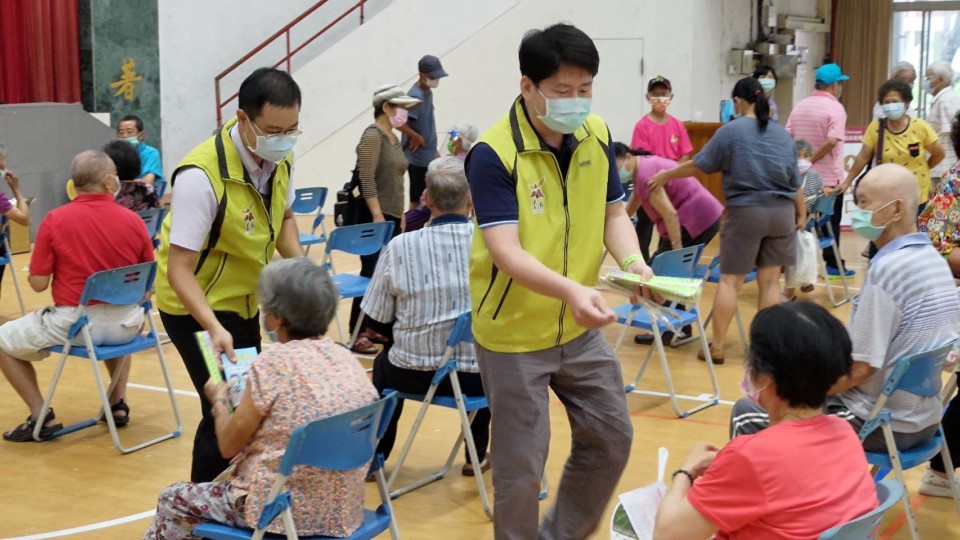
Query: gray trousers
(585,375)
(749,417)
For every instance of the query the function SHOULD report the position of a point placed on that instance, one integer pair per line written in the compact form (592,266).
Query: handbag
(349,206)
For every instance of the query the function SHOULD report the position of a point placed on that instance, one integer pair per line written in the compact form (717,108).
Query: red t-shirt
(668,140)
(792,480)
(83,237)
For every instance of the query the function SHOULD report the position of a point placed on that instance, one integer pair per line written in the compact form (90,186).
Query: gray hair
(941,69)
(900,67)
(447,184)
(468,135)
(301,294)
(89,168)
(803,146)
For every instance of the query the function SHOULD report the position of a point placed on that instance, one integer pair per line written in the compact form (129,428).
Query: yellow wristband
(630,260)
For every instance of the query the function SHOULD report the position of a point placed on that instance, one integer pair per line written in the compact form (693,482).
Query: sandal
(120,407)
(375,337)
(24,432)
(717,358)
(363,345)
(468,470)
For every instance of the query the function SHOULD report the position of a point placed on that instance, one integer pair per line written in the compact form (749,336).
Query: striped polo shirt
(422,284)
(816,119)
(908,304)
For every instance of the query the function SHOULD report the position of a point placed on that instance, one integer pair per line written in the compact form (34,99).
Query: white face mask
(116,192)
(275,147)
(432,83)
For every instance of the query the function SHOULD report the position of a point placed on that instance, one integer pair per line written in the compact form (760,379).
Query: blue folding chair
(153,220)
(159,187)
(466,406)
(308,201)
(341,442)
(365,239)
(920,375)
(7,259)
(677,263)
(121,286)
(820,220)
(867,526)
(711,274)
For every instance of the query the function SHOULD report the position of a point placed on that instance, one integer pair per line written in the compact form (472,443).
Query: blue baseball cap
(829,74)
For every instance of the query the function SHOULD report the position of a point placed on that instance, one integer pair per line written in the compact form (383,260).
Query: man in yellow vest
(547,195)
(231,210)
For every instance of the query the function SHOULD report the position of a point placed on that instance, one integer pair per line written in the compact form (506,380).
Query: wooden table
(700,133)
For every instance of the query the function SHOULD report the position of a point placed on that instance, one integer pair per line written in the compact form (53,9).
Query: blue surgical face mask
(133,141)
(894,111)
(270,333)
(861,221)
(273,148)
(565,115)
(625,176)
(767,84)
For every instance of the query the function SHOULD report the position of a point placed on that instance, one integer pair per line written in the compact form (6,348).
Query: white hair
(447,184)
(942,70)
(900,67)
(468,134)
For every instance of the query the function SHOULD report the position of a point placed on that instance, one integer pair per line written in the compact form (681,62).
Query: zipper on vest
(566,242)
(493,279)
(502,298)
(216,276)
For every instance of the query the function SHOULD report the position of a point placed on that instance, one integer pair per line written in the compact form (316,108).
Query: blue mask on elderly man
(263,326)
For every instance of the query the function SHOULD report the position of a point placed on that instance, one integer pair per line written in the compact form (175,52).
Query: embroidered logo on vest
(536,197)
(249,221)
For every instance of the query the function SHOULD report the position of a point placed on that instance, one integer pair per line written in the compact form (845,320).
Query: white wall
(685,41)
(200,38)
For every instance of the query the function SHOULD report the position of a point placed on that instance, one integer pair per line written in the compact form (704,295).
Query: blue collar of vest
(447,219)
(913,239)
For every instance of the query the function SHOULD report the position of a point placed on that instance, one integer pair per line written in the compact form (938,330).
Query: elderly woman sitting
(303,378)
(801,476)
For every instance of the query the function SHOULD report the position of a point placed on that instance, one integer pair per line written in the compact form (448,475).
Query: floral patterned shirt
(941,218)
(292,384)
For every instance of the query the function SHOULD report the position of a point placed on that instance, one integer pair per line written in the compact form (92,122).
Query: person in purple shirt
(18,213)
(684,212)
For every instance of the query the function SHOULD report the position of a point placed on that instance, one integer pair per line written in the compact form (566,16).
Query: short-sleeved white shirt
(196,203)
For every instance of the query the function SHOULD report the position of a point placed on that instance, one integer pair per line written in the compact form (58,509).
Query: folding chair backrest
(679,263)
(918,374)
(159,187)
(824,205)
(365,239)
(889,492)
(462,331)
(153,219)
(309,200)
(120,286)
(341,442)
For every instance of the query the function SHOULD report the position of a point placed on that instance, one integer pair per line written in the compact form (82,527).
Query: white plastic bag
(808,260)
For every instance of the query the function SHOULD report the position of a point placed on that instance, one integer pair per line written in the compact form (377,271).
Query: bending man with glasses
(231,209)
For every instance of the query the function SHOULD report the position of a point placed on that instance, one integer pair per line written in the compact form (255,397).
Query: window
(925,31)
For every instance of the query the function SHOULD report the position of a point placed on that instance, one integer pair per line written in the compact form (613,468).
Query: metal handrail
(285,31)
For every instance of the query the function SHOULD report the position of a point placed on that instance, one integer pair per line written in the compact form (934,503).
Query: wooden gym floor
(80,487)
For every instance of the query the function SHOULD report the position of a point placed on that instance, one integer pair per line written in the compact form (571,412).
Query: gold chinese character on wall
(126,85)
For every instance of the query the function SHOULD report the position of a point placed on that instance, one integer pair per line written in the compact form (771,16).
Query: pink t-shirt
(792,480)
(696,207)
(816,119)
(669,140)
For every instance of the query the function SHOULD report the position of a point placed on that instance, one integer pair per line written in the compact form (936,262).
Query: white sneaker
(934,486)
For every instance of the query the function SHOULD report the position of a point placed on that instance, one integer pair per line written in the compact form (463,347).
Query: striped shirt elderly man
(908,304)
(421,285)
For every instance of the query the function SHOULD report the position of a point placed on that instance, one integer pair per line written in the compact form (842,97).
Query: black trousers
(828,257)
(368,263)
(644,230)
(387,375)
(207,460)
(951,430)
(686,241)
(418,182)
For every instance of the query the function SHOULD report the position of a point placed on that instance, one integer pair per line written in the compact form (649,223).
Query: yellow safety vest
(561,223)
(243,236)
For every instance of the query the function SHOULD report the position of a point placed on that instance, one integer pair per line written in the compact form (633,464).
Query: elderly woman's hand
(215,391)
(700,458)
